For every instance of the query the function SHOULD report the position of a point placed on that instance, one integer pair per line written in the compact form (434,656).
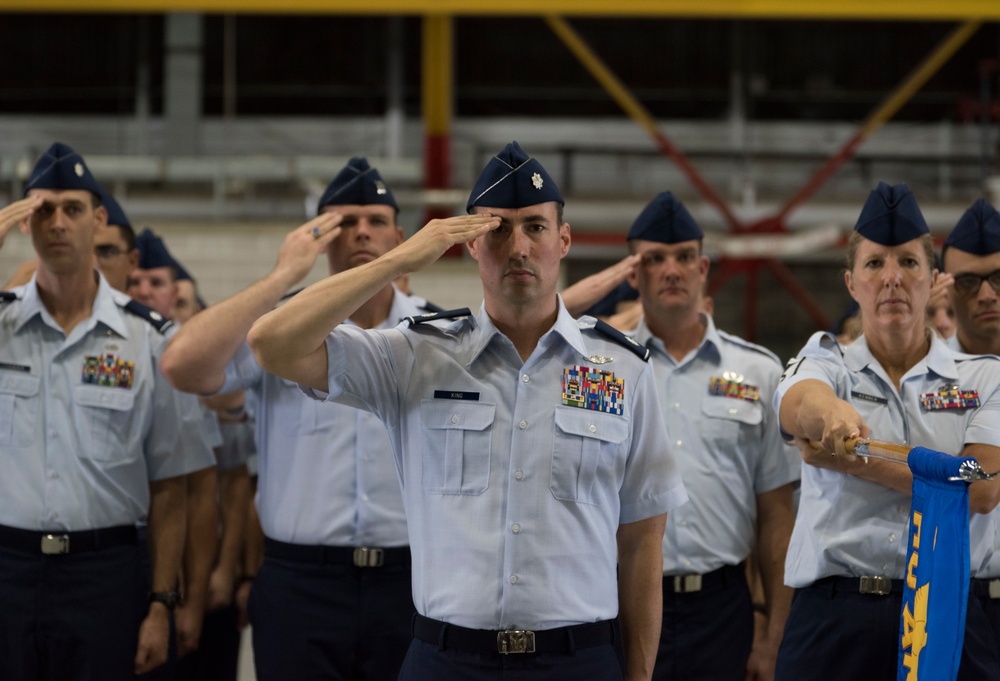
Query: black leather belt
(358,556)
(57,542)
(876,585)
(685,584)
(986,588)
(561,640)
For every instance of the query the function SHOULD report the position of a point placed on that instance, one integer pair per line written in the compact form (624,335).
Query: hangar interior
(217,124)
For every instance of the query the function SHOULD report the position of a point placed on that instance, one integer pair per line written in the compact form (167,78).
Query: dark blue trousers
(706,635)
(991,609)
(72,617)
(320,621)
(218,649)
(835,634)
(429,662)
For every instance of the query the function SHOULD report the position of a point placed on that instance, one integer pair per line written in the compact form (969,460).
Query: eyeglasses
(967,283)
(107,251)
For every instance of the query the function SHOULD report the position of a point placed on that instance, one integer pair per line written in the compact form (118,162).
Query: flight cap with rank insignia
(358,184)
(512,179)
(61,168)
(153,252)
(116,216)
(978,230)
(666,221)
(890,216)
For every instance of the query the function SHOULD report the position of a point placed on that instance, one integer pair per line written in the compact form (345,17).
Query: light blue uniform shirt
(86,421)
(513,498)
(325,471)
(990,566)
(728,449)
(847,526)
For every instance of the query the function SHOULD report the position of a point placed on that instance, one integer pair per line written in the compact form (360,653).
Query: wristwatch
(171,599)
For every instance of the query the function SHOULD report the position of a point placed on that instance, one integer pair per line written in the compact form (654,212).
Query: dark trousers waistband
(358,556)
(58,542)
(876,586)
(561,640)
(985,588)
(716,579)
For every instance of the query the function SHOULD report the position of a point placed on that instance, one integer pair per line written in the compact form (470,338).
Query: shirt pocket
(19,406)
(583,441)
(727,419)
(456,446)
(107,413)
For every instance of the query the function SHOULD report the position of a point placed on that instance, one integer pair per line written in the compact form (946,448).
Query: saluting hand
(15,213)
(304,244)
(437,236)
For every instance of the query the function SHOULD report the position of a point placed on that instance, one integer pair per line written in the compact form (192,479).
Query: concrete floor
(246,672)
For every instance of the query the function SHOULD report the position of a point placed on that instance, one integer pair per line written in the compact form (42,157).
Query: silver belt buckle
(54,544)
(878,585)
(686,584)
(515,641)
(368,557)
(995,588)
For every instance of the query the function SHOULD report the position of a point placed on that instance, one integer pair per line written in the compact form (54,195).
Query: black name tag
(869,398)
(455,395)
(15,367)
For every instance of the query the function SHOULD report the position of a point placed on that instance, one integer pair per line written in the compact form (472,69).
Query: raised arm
(290,341)
(196,357)
(579,297)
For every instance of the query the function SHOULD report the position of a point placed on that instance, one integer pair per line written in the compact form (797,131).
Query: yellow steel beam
(436,75)
(919,76)
(923,10)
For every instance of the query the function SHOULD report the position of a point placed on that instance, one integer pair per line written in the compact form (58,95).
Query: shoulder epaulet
(828,341)
(7,296)
(160,322)
(631,344)
(431,307)
(444,314)
(747,345)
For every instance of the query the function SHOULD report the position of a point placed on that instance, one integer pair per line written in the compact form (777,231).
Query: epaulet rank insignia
(155,318)
(7,296)
(434,316)
(633,346)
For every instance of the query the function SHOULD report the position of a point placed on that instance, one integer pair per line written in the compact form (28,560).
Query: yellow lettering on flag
(915,631)
(911,578)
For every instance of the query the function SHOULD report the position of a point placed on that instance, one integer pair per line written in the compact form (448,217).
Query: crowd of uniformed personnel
(385,490)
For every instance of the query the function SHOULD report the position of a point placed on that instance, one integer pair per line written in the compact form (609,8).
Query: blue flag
(932,622)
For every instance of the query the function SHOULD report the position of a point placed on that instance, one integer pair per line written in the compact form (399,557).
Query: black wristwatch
(171,599)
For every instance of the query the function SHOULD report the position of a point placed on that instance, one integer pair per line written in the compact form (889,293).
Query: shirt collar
(106,307)
(709,348)
(565,326)
(939,359)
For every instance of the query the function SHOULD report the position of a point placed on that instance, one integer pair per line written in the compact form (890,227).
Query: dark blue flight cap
(182,274)
(666,221)
(153,252)
(61,168)
(358,184)
(978,231)
(891,216)
(513,180)
(116,216)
